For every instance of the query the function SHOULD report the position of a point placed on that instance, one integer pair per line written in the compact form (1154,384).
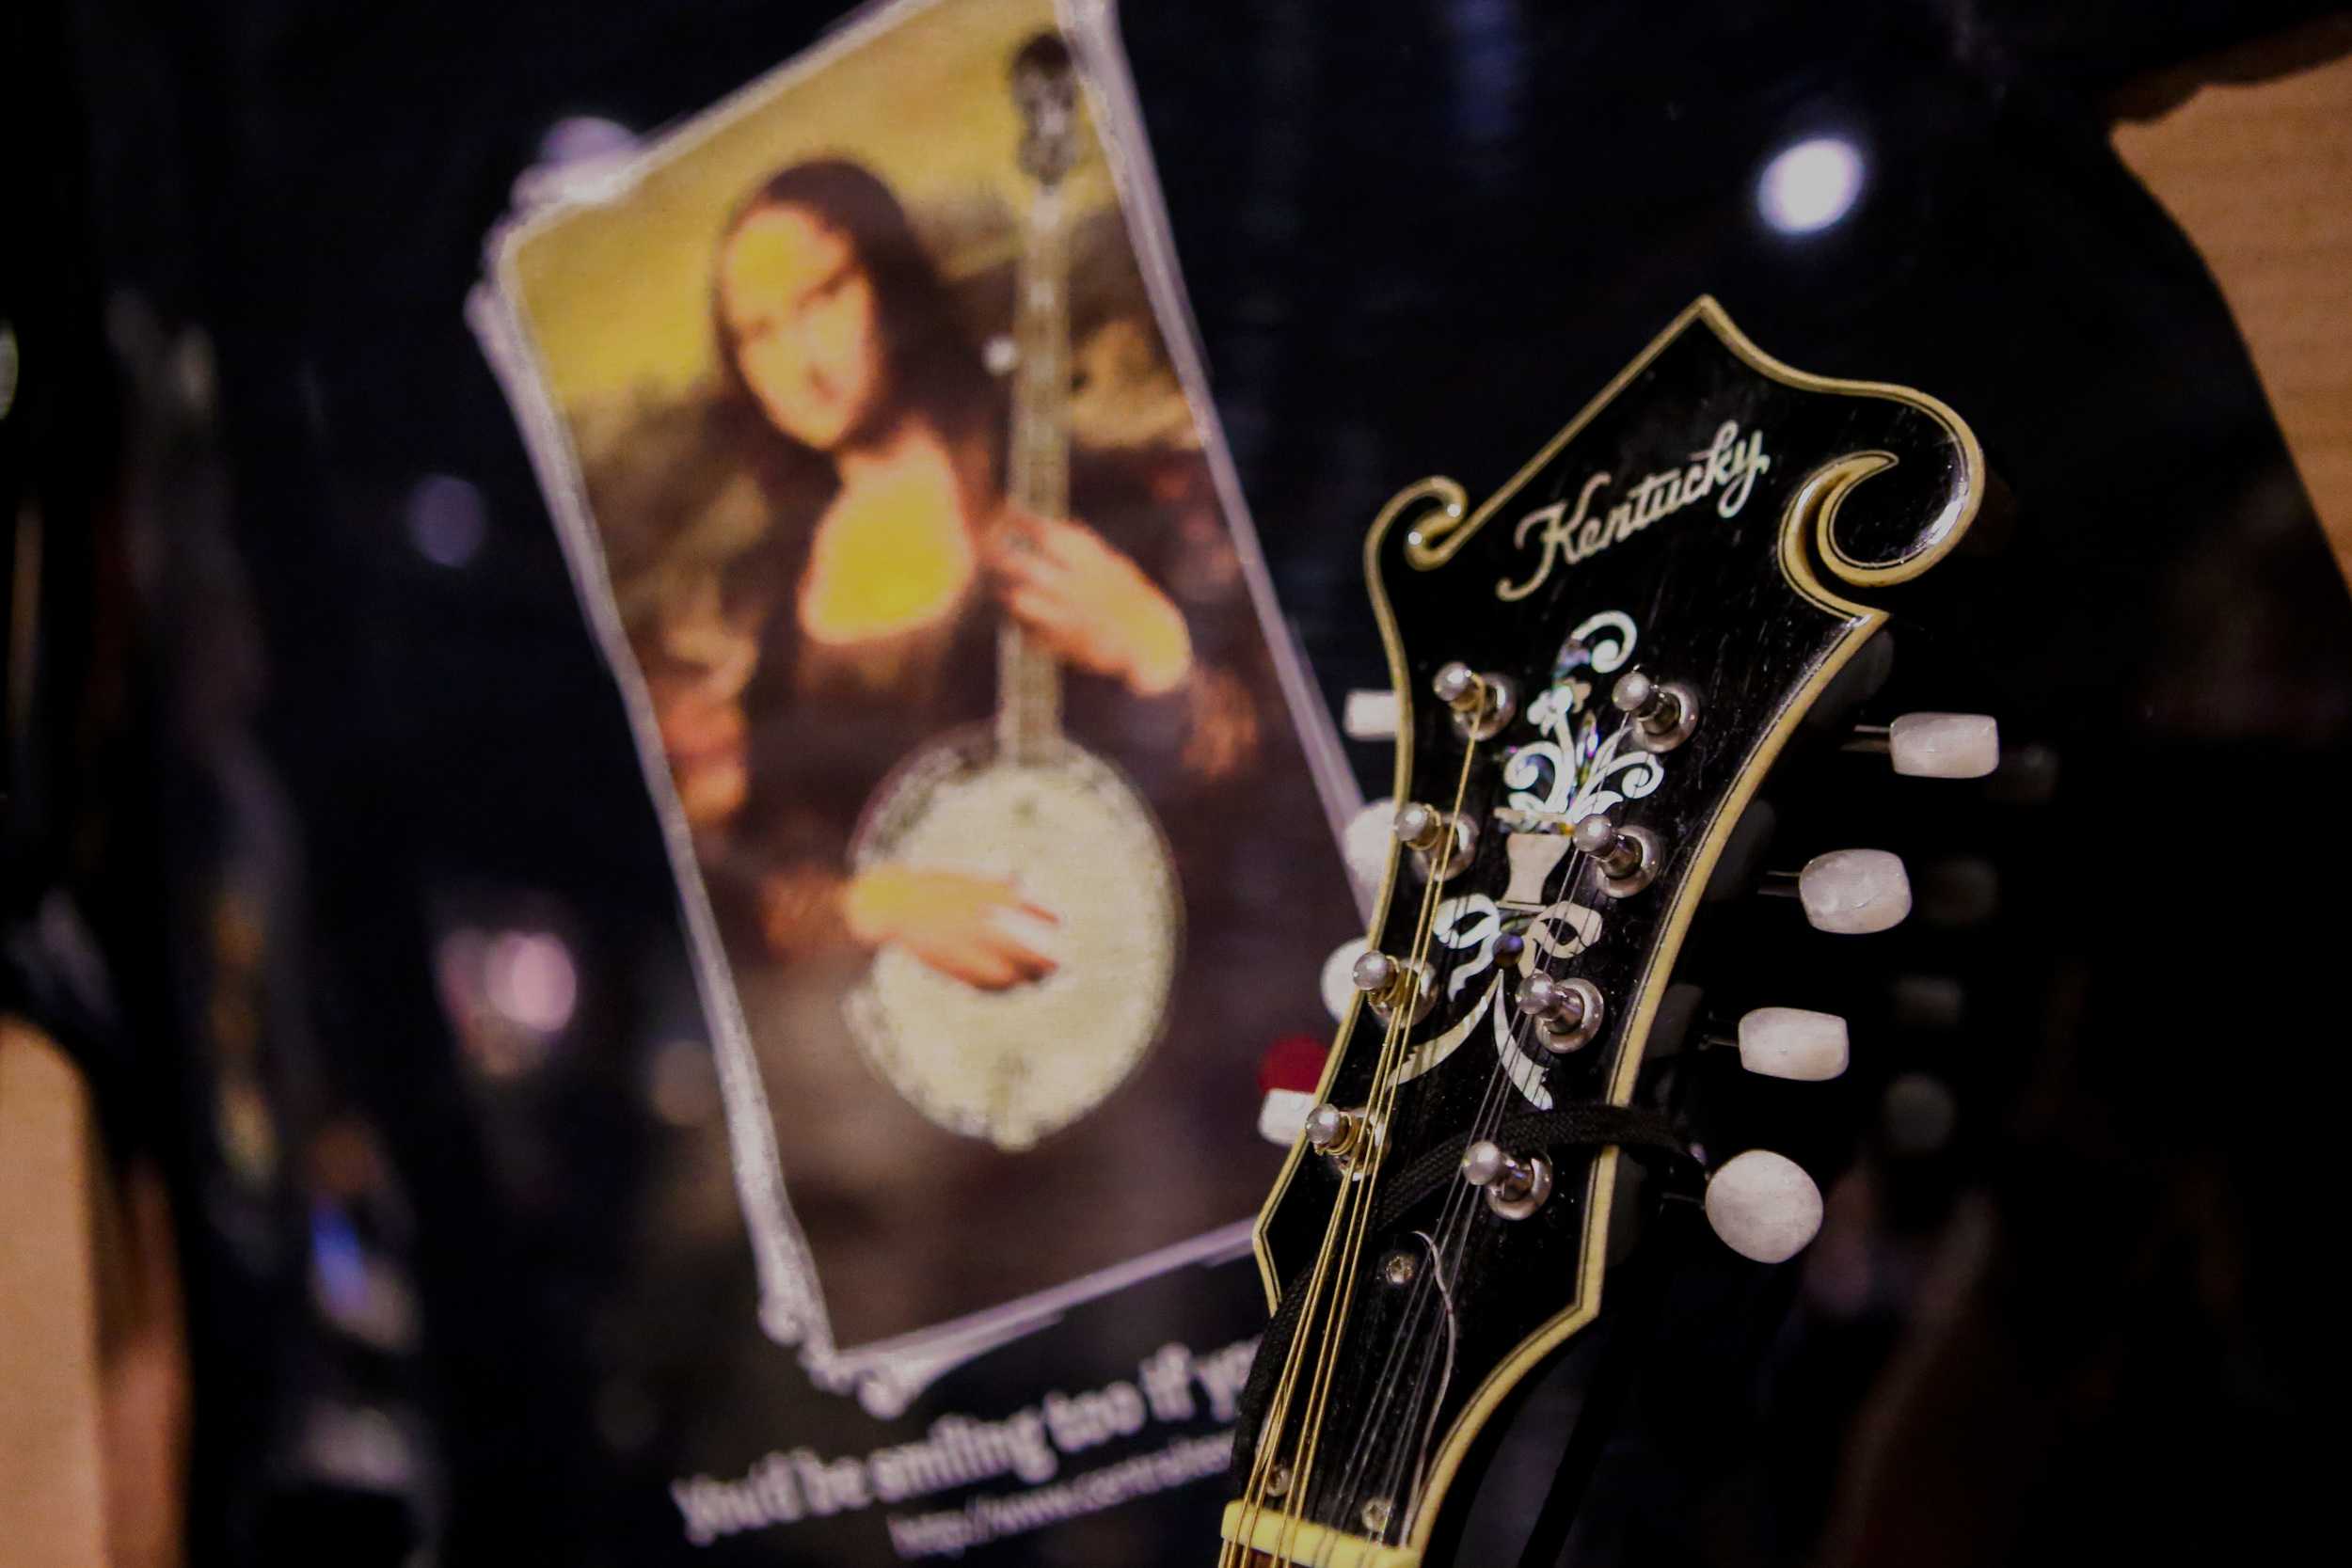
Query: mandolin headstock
(1595,670)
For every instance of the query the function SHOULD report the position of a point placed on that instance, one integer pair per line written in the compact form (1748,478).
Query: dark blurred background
(329,862)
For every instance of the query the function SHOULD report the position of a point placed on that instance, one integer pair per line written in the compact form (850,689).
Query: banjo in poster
(1004,827)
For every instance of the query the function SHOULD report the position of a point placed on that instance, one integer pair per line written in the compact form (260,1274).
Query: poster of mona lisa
(1003,814)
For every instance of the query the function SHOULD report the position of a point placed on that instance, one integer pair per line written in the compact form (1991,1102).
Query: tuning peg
(1851,891)
(1419,827)
(1330,1129)
(1339,983)
(1629,858)
(1388,984)
(1375,971)
(1456,685)
(1663,713)
(1282,1116)
(1791,1042)
(1763,1206)
(1370,715)
(1514,1187)
(1367,843)
(1567,1013)
(1425,830)
(1481,705)
(1287,1074)
(1934,745)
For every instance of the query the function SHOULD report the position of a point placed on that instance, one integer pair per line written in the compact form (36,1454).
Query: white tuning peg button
(1339,976)
(1790,1042)
(1368,841)
(1763,1206)
(1370,715)
(1945,745)
(1855,891)
(1282,1116)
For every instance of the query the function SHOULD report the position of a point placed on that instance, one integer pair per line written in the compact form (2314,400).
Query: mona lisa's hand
(965,926)
(1090,605)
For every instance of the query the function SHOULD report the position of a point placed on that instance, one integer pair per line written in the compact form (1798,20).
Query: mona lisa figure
(880,439)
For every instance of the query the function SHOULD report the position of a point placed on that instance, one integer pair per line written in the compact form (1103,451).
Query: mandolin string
(1449,1233)
(1278,1408)
(1333,1336)
(1413,1308)
(1270,1428)
(1356,1198)
(1385,1086)
(1453,1251)
(1449,1252)
(1456,1242)
(1328,1324)
(1494,1098)
(1384,1383)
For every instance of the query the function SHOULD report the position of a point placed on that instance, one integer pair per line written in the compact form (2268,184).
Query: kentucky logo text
(1725,470)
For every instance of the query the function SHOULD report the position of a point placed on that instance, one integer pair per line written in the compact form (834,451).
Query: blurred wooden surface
(51,1495)
(2259,173)
(94,1390)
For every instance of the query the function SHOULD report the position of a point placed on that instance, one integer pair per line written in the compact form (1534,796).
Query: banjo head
(1069,831)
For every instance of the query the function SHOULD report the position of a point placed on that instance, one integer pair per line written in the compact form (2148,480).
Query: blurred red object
(1292,1062)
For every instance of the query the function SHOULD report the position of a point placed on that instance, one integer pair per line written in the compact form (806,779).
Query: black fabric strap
(1640,1292)
(1589,1126)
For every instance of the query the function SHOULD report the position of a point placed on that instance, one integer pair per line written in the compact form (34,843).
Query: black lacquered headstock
(1595,667)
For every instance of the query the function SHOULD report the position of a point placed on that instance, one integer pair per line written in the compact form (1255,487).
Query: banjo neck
(1028,712)
(1016,801)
